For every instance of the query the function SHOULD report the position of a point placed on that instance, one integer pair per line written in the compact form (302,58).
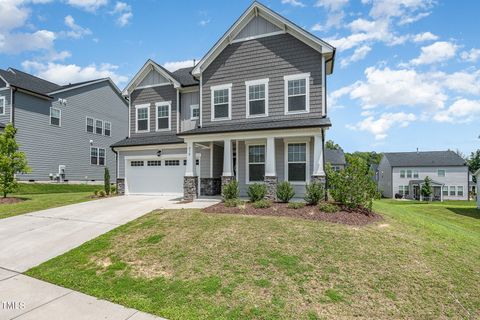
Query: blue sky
(406,74)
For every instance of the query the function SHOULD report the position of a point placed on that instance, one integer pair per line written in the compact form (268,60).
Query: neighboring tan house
(253,109)
(65,131)
(336,158)
(403,174)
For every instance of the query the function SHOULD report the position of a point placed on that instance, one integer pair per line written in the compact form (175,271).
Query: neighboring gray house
(403,173)
(477,176)
(65,131)
(336,158)
(253,109)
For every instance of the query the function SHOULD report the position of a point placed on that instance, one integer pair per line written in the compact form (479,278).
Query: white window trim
(463,191)
(59,119)
(3,103)
(162,104)
(247,97)
(221,87)
(444,170)
(192,107)
(95,127)
(307,164)
(141,106)
(104,123)
(305,76)
(454,189)
(98,157)
(247,162)
(86,124)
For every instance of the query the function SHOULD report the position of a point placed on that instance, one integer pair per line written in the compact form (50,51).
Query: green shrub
(285,191)
(102,193)
(296,205)
(328,207)
(113,189)
(106,181)
(262,204)
(231,191)
(256,192)
(96,192)
(232,203)
(314,193)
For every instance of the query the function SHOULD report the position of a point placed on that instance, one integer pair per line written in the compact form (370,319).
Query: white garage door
(155,176)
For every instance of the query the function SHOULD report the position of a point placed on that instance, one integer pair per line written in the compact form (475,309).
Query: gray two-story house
(253,109)
(403,174)
(65,131)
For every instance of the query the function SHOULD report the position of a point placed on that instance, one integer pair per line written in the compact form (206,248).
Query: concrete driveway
(31,239)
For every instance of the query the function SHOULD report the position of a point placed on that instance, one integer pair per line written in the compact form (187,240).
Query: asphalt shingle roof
(148,140)
(28,82)
(335,156)
(70,85)
(424,159)
(184,76)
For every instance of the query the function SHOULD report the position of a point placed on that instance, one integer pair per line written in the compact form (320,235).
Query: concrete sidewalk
(31,239)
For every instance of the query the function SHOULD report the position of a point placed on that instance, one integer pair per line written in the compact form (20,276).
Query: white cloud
(380,126)
(411,19)
(13,14)
(332,5)
(471,56)
(461,111)
(425,36)
(397,8)
(124,13)
(88,5)
(335,14)
(71,73)
(75,31)
(175,65)
(14,43)
(295,3)
(436,52)
(359,54)
(204,22)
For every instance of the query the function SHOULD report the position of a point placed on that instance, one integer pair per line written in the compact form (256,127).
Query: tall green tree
(426,190)
(330,144)
(106,181)
(474,162)
(12,161)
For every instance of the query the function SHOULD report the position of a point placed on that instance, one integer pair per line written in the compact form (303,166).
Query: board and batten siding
(271,57)
(48,146)
(188,99)
(151,96)
(7,94)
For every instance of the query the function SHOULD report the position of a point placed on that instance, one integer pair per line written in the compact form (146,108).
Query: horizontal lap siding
(270,57)
(6,92)
(151,96)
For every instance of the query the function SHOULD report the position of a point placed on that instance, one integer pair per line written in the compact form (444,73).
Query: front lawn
(421,262)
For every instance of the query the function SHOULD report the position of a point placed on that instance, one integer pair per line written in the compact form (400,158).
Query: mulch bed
(358,217)
(10,200)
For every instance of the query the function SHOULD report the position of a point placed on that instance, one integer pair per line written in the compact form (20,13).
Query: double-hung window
(55,117)
(2,105)
(460,191)
(256,163)
(90,123)
(257,98)
(402,173)
(221,102)
(409,173)
(445,190)
(194,112)
(98,126)
(143,118)
(415,173)
(108,129)
(297,162)
(97,156)
(452,190)
(297,93)
(163,116)
(441,172)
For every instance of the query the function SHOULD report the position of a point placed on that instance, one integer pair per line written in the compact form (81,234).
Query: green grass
(43,188)
(421,262)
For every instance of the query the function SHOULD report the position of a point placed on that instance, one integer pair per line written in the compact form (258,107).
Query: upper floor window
(297,93)
(2,105)
(296,162)
(163,116)
(257,98)
(108,129)
(98,126)
(221,102)
(409,173)
(441,172)
(194,112)
(415,173)
(402,173)
(256,163)
(55,116)
(143,118)
(90,122)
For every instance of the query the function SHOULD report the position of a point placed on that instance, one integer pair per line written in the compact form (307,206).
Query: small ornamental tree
(426,190)
(106,181)
(12,161)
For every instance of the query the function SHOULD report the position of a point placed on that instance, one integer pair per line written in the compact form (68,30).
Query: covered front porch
(267,156)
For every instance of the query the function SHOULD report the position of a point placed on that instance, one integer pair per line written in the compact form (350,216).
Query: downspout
(326,176)
(116,166)
(12,111)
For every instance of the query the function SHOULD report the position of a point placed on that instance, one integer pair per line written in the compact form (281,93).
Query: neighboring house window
(136,163)
(445,190)
(297,92)
(90,122)
(163,116)
(55,116)
(415,173)
(154,163)
(441,172)
(108,129)
(98,126)
(336,168)
(221,102)
(409,173)
(402,173)
(194,112)
(406,190)
(452,190)
(257,98)
(2,105)
(400,190)
(97,156)
(460,191)
(143,118)
(172,162)
(297,162)
(256,163)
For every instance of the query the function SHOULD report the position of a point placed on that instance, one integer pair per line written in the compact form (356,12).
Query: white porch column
(227,158)
(191,168)
(270,168)
(318,169)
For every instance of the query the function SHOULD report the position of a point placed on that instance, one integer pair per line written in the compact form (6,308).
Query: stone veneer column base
(190,188)
(271,183)
(226,180)
(120,186)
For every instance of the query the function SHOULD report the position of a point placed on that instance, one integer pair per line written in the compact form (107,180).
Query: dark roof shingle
(148,140)
(184,76)
(424,159)
(28,82)
(335,156)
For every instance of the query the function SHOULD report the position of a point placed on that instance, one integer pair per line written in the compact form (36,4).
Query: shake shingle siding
(270,57)
(6,92)
(151,96)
